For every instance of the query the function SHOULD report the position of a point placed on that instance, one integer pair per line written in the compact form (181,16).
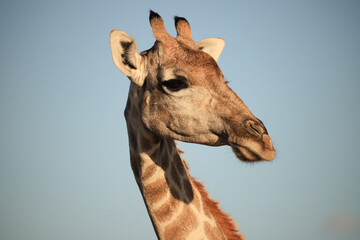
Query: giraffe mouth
(244,154)
(253,151)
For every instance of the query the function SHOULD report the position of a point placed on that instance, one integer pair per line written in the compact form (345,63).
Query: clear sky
(64,158)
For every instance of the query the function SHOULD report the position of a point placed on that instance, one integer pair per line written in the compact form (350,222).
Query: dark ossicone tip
(178,19)
(153,15)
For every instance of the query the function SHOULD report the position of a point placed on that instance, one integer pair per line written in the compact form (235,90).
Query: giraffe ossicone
(178,92)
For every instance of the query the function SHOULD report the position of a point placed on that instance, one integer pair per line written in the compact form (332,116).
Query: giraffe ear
(126,57)
(212,46)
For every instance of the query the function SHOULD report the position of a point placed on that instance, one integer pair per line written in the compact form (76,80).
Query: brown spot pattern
(182,226)
(155,191)
(167,210)
(149,172)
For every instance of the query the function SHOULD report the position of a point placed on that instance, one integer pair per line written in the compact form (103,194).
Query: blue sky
(64,161)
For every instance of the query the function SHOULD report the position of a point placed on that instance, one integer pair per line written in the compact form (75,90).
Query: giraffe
(178,92)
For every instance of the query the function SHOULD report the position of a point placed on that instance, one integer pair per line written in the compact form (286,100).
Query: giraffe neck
(174,203)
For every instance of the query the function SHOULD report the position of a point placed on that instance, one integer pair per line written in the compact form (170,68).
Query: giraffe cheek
(149,113)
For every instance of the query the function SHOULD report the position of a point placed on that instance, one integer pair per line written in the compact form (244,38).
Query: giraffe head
(184,95)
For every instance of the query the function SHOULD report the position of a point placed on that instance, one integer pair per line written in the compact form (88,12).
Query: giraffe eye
(175,85)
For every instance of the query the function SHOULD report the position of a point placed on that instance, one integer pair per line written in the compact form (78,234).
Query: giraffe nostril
(254,128)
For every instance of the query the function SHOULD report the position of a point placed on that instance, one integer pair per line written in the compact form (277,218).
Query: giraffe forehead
(194,65)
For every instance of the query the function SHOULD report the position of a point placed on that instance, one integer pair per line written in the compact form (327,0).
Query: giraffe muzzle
(256,145)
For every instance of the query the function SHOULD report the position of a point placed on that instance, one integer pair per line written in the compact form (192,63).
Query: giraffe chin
(245,154)
(252,154)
